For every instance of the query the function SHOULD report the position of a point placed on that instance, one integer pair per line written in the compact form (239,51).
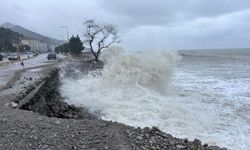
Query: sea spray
(151,70)
(128,81)
(136,89)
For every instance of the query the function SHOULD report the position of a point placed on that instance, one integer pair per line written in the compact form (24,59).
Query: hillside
(7,38)
(31,34)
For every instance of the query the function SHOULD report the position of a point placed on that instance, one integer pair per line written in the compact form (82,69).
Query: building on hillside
(35,45)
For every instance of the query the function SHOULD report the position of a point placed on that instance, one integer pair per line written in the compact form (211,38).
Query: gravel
(46,122)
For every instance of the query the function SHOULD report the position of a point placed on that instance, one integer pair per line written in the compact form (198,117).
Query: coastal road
(9,71)
(23,57)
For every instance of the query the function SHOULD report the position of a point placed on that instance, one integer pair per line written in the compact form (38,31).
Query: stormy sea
(202,94)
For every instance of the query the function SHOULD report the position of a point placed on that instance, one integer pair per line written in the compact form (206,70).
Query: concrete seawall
(45,99)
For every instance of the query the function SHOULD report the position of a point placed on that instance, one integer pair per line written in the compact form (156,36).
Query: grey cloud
(221,31)
(166,11)
(18,8)
(143,24)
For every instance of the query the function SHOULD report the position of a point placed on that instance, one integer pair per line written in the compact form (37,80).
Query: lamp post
(67,29)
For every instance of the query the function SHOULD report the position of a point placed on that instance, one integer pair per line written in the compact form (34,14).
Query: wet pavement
(23,57)
(10,71)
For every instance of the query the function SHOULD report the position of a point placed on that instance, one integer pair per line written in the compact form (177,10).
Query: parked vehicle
(51,56)
(4,55)
(35,54)
(1,57)
(14,57)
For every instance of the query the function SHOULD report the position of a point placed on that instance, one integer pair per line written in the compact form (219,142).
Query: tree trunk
(96,57)
(97,54)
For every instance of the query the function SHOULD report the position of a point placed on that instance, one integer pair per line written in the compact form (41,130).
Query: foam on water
(224,53)
(138,89)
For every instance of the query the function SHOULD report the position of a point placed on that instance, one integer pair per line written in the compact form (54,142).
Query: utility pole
(67,29)
(17,46)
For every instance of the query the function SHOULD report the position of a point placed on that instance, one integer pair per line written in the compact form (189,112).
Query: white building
(35,45)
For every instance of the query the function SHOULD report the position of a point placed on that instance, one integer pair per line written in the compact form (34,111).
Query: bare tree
(99,36)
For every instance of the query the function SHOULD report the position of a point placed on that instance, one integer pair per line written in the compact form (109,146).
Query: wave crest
(151,70)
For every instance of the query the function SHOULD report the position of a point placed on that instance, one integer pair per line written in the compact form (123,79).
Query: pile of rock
(47,101)
(75,69)
(155,139)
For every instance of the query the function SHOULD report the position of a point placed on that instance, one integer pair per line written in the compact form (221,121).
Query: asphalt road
(8,71)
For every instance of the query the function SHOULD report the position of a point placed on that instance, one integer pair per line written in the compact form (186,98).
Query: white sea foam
(199,102)
(224,53)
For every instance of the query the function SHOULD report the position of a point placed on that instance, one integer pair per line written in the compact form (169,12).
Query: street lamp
(67,28)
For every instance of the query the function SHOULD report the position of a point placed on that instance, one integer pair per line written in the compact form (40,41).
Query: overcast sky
(143,24)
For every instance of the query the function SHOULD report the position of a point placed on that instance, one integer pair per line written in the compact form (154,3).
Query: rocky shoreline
(50,123)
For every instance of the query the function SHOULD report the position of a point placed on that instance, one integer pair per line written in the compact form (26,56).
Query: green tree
(75,45)
(8,39)
(64,48)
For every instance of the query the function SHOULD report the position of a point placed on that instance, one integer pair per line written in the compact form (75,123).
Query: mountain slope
(31,34)
(8,38)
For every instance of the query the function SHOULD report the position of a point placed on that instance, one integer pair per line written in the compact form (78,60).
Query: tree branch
(100,34)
